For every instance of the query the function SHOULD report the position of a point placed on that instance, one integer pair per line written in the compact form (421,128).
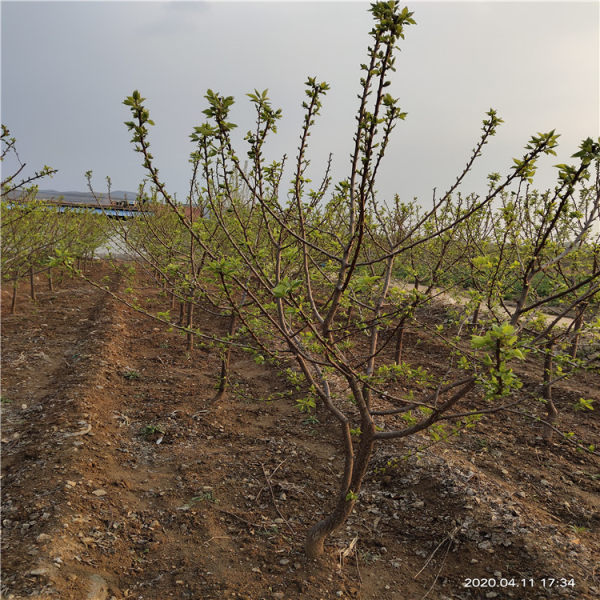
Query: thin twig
(273,473)
(440,569)
(234,515)
(273,497)
(357,568)
(449,536)
(563,437)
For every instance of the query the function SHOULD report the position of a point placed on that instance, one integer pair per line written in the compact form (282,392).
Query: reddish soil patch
(122,480)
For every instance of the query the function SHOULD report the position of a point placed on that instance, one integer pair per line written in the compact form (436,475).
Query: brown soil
(122,480)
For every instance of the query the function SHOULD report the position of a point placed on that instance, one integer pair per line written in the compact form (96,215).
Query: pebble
(99,492)
(284,561)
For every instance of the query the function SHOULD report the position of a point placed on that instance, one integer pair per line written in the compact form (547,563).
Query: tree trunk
(31,284)
(349,316)
(50,282)
(13,304)
(224,376)
(475,318)
(577,325)
(189,323)
(551,412)
(315,539)
(399,341)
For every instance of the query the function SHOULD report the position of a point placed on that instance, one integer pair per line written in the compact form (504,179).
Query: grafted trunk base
(314,545)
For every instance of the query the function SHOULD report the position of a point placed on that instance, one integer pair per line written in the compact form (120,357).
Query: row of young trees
(36,235)
(328,277)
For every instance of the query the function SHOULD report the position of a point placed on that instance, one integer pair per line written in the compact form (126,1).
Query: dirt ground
(122,480)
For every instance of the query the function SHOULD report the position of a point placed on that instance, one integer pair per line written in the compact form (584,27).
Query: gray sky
(67,66)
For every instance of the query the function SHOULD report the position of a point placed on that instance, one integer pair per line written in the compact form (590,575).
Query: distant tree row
(35,235)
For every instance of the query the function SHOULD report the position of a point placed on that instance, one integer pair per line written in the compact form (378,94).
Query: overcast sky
(67,66)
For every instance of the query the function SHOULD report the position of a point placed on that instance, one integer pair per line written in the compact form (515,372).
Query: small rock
(38,572)
(284,561)
(179,582)
(485,545)
(99,492)
(491,595)
(43,537)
